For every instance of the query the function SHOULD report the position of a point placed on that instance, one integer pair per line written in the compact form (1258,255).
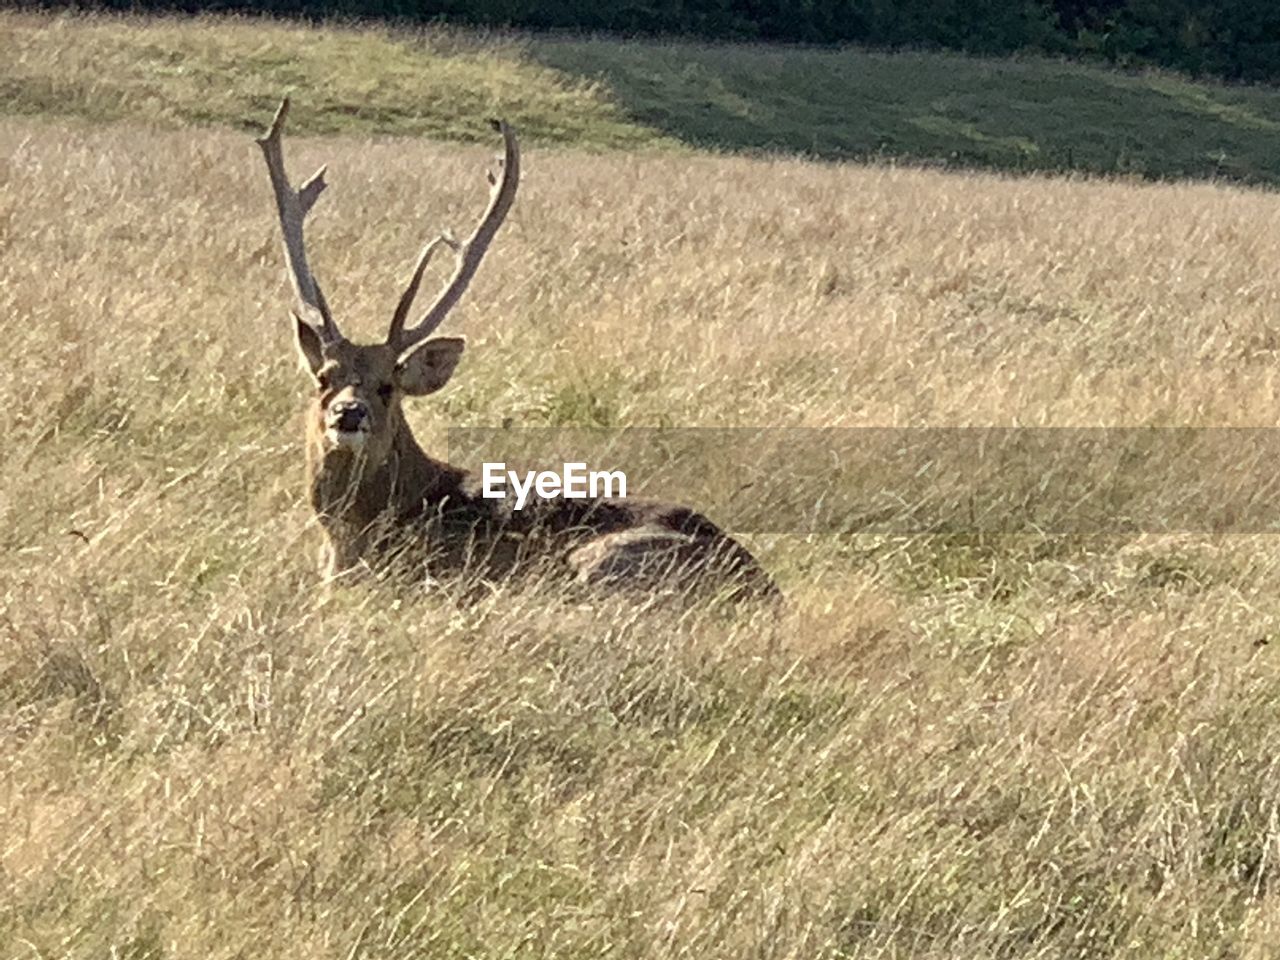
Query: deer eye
(322,381)
(385,392)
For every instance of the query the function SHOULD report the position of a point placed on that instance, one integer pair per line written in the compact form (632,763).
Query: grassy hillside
(950,746)
(1016,115)
(1021,115)
(947,747)
(225,72)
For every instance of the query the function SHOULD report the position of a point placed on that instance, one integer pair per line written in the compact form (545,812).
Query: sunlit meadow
(955,746)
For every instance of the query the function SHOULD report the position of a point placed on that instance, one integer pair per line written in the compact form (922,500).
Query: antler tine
(293,207)
(396,333)
(470,252)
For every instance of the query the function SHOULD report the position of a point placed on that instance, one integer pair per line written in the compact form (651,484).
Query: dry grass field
(948,746)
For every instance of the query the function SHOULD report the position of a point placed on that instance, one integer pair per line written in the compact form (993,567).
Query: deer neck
(347,488)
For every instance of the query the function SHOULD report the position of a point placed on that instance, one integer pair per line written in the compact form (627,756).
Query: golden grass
(947,747)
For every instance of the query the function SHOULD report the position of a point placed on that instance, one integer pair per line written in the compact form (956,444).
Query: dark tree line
(1235,39)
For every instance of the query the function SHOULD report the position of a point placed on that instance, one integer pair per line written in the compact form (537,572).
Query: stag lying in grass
(383,503)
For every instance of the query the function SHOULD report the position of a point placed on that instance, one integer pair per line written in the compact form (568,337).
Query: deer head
(359,387)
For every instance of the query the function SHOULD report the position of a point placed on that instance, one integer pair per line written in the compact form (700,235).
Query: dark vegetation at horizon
(1231,39)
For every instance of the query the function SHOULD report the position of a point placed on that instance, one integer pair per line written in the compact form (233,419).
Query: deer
(385,505)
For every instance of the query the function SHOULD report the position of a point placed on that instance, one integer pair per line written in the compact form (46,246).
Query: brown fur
(384,503)
(391,506)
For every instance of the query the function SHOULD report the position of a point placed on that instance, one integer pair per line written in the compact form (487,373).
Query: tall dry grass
(951,747)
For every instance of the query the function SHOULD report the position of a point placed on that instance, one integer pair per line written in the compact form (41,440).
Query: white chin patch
(353,440)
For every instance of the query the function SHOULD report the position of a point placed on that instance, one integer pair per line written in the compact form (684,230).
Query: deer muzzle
(347,423)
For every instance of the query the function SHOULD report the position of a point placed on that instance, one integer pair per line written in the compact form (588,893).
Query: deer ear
(428,366)
(309,347)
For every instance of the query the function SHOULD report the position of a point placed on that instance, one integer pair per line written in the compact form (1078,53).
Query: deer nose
(348,415)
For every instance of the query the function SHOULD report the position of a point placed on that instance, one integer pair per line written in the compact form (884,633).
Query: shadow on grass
(1019,115)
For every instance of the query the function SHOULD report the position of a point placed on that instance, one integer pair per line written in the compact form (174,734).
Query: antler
(293,207)
(502,194)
